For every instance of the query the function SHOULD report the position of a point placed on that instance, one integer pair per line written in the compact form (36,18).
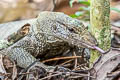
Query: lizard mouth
(93,47)
(80,43)
(86,45)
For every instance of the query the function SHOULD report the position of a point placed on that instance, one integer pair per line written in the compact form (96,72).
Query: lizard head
(66,28)
(80,36)
(75,34)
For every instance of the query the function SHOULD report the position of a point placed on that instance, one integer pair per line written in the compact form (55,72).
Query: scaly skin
(51,34)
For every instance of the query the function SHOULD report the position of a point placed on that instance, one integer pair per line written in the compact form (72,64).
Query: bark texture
(100,24)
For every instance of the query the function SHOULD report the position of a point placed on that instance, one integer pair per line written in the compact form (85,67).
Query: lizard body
(52,33)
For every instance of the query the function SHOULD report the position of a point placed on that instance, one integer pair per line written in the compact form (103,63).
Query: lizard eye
(71,30)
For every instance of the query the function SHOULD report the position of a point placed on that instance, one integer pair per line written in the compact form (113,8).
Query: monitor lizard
(51,33)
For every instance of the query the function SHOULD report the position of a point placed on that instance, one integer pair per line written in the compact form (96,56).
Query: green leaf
(71,3)
(115,9)
(74,16)
(79,13)
(84,2)
(79,1)
(85,8)
(89,1)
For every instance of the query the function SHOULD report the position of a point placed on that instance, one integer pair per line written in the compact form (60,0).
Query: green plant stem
(100,25)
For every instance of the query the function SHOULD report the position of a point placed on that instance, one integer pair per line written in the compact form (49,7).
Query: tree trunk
(100,25)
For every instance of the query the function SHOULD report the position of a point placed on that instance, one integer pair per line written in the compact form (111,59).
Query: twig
(66,62)
(71,75)
(77,75)
(14,74)
(59,58)
(75,60)
(50,76)
(81,65)
(25,73)
(4,74)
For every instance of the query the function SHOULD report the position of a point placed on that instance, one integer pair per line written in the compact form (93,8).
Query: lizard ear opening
(25,29)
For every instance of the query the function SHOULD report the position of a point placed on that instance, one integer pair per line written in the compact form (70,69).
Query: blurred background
(12,10)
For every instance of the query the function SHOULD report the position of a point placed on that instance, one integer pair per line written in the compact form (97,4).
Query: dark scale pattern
(40,43)
(52,33)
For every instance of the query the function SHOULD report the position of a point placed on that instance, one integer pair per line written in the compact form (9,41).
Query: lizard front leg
(21,52)
(22,57)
